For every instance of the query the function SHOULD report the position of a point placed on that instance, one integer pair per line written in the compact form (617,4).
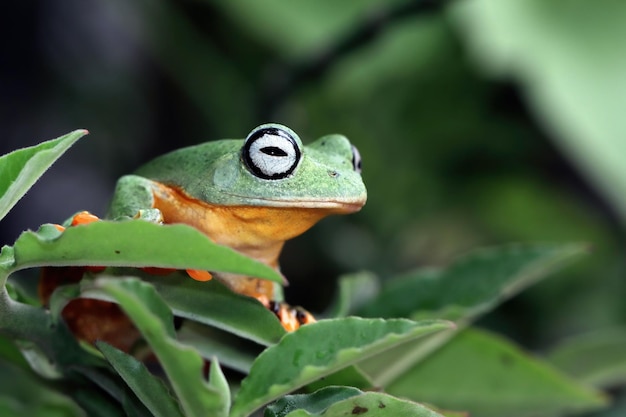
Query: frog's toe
(84,217)
(290,317)
(199,275)
(152,215)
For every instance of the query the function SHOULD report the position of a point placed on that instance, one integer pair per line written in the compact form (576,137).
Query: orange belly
(258,232)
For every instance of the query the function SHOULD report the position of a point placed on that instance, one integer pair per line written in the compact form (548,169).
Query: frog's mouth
(338,206)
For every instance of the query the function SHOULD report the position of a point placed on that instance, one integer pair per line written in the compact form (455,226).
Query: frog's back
(187,165)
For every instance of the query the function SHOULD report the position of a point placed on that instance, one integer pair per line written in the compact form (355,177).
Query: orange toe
(199,275)
(84,217)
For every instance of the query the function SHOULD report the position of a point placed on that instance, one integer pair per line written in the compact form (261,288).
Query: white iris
(264,156)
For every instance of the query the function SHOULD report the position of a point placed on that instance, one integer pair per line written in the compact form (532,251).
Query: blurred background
(480,122)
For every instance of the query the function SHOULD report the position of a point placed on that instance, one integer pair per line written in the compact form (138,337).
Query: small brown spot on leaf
(359,410)
(507,360)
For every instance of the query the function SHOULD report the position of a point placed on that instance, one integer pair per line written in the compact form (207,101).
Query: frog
(251,195)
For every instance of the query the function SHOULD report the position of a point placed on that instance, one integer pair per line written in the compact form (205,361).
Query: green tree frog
(251,195)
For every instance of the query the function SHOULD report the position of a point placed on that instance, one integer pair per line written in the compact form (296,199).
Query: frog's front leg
(134,198)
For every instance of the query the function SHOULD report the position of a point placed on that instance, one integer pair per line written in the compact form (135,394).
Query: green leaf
(351,376)
(152,305)
(134,243)
(370,404)
(20,169)
(7,262)
(472,285)
(10,353)
(488,376)
(106,385)
(96,403)
(59,299)
(618,407)
(50,344)
(386,367)
(316,402)
(232,351)
(213,304)
(597,358)
(319,349)
(150,389)
(182,364)
(355,290)
(574,79)
(23,394)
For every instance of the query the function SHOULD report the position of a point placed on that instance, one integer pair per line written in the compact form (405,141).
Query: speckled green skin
(214,172)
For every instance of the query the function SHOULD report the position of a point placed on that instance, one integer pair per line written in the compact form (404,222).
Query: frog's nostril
(333,174)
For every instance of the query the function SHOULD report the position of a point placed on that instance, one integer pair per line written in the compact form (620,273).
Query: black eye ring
(271,152)
(356,159)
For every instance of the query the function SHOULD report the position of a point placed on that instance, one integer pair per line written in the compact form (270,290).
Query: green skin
(233,206)
(214,172)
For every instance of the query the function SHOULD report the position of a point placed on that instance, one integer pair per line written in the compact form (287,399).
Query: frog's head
(272,168)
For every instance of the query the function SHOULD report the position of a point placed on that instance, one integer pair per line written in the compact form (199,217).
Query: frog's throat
(256,231)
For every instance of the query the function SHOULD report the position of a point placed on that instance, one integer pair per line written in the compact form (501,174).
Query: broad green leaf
(134,243)
(319,349)
(23,394)
(20,169)
(597,358)
(148,388)
(370,404)
(316,402)
(565,56)
(488,376)
(182,364)
(472,285)
(213,304)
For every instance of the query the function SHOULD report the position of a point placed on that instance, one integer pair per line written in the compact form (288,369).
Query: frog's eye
(356,159)
(271,153)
